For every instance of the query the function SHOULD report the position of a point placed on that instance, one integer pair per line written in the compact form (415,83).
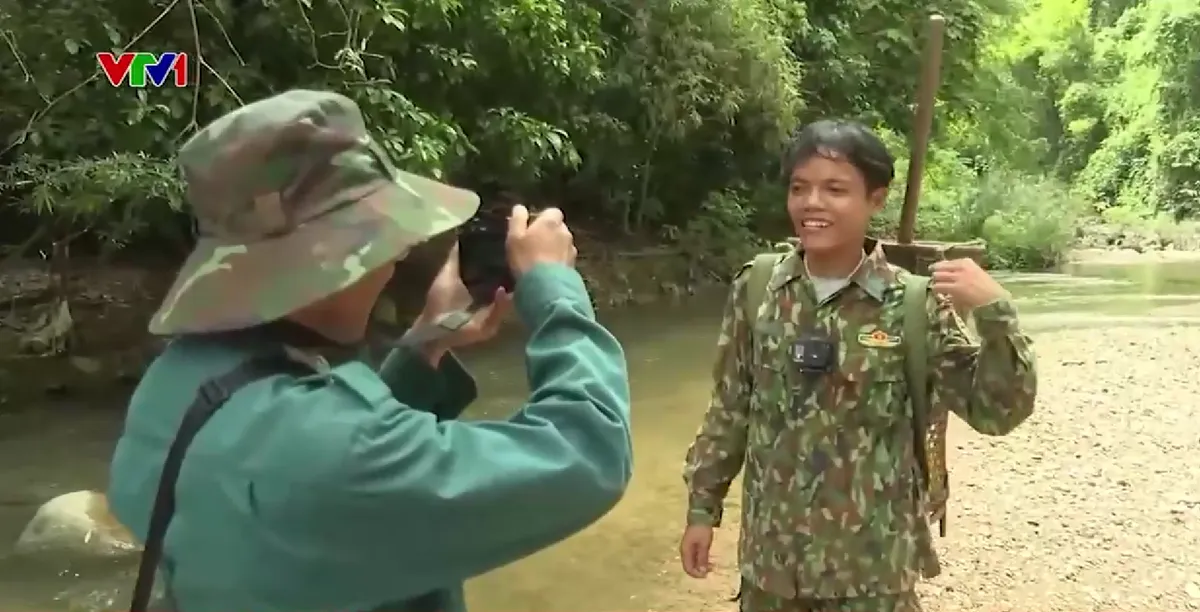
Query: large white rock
(78,522)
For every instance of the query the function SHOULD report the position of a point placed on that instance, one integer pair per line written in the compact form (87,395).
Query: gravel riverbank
(1092,505)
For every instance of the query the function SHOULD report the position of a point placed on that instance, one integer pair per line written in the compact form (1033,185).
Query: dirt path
(1093,505)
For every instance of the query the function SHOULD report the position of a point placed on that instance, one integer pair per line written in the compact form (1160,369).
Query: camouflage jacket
(831,506)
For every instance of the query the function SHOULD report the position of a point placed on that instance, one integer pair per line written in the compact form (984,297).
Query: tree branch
(38,115)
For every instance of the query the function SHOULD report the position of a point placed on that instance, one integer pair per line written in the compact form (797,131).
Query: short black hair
(848,140)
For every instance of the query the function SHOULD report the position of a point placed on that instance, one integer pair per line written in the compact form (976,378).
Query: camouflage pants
(755,600)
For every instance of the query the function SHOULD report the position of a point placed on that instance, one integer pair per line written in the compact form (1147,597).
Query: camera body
(482,263)
(814,353)
(483,256)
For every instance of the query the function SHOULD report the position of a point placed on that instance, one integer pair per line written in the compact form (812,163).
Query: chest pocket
(867,385)
(773,385)
(871,378)
(769,365)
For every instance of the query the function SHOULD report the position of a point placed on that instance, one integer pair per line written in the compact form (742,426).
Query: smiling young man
(811,396)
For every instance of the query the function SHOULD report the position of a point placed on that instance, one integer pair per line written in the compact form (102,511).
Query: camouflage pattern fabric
(831,507)
(755,600)
(294,201)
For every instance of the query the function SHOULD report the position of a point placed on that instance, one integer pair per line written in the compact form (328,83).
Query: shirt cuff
(998,317)
(705,517)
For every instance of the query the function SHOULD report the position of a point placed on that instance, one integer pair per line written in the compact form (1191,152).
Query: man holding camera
(269,470)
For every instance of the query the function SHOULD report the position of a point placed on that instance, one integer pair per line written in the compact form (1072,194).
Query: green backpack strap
(916,365)
(756,283)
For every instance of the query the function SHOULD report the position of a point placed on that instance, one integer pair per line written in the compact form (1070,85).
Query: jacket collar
(875,276)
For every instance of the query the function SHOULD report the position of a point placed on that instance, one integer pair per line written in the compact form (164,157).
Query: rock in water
(51,332)
(80,523)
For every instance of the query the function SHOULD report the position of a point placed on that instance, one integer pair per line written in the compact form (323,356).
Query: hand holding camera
(448,296)
(484,292)
(545,239)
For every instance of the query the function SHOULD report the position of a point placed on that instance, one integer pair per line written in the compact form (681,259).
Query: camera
(482,254)
(483,257)
(814,354)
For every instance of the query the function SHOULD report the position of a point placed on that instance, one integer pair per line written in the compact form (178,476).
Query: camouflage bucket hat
(294,201)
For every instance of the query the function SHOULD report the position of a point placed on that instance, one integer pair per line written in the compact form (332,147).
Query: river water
(619,564)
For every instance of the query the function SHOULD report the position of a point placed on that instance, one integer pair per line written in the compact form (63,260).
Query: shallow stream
(617,564)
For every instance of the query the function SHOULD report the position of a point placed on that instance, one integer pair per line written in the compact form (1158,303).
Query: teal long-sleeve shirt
(357,490)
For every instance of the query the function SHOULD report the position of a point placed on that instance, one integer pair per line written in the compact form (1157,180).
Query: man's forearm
(429,377)
(996,393)
(713,462)
(715,457)
(473,482)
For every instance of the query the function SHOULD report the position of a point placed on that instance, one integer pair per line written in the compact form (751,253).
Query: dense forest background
(650,122)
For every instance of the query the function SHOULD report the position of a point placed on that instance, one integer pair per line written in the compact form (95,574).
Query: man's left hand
(966,284)
(448,294)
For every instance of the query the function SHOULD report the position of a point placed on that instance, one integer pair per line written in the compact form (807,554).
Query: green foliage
(1027,221)
(1099,95)
(654,118)
(627,113)
(720,236)
(1121,79)
(135,188)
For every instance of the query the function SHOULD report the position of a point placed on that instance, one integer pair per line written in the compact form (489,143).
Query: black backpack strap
(210,397)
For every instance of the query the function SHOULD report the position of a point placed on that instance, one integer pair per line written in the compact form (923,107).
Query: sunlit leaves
(1118,80)
(645,113)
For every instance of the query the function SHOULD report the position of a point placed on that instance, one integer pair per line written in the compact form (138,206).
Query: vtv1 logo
(141,67)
